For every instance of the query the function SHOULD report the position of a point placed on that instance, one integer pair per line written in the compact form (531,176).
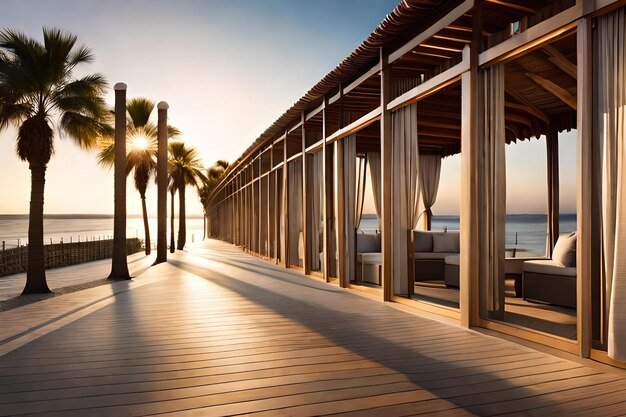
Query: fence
(15,260)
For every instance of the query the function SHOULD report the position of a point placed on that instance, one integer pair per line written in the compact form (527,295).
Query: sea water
(525,233)
(14,229)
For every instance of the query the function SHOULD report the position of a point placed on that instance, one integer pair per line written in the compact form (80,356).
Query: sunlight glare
(140,142)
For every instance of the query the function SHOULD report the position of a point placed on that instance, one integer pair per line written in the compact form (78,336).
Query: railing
(15,260)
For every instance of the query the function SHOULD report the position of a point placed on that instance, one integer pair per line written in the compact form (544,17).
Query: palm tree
(38,91)
(214,173)
(141,144)
(185,168)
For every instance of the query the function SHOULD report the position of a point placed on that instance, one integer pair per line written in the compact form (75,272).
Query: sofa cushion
(446,242)
(549,267)
(366,242)
(453,259)
(370,258)
(432,255)
(422,241)
(565,250)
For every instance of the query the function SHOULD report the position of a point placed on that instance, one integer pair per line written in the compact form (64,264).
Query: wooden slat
(238,335)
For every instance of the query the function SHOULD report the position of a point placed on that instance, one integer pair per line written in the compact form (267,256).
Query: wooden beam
(557,91)
(525,106)
(532,38)
(447,20)
(433,85)
(513,6)
(560,61)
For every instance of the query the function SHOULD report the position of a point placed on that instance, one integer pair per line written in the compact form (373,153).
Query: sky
(228,69)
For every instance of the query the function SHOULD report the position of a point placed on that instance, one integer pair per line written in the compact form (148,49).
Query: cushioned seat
(548,267)
(430,251)
(451,270)
(553,280)
(433,255)
(370,258)
(454,259)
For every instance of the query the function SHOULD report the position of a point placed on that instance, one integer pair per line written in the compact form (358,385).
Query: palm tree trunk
(146,228)
(119,261)
(182,225)
(36,272)
(203,226)
(172,242)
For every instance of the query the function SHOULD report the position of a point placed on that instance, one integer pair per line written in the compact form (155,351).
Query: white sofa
(430,252)
(553,280)
(368,258)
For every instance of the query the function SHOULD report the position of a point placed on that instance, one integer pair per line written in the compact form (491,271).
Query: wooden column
(162,183)
(386,168)
(470,202)
(327,200)
(584,169)
(284,241)
(306,222)
(259,182)
(270,175)
(552,152)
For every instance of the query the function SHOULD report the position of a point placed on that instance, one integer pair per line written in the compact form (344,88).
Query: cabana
(439,78)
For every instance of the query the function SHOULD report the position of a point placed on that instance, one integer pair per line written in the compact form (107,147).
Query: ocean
(525,233)
(14,229)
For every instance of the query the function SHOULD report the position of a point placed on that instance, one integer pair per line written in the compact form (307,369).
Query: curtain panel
(492,191)
(296,245)
(611,130)
(315,185)
(405,191)
(373,160)
(430,170)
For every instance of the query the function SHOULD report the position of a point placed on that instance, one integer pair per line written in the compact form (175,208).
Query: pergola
(480,74)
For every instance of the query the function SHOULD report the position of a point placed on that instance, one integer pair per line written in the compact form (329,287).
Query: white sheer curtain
(315,181)
(430,170)
(361,177)
(373,160)
(492,191)
(295,212)
(350,173)
(405,190)
(611,86)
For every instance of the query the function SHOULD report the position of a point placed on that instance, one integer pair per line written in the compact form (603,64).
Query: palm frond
(139,110)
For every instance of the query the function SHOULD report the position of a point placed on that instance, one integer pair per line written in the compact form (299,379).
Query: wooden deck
(218,333)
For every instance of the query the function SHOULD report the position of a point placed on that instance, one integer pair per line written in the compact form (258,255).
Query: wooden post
(269,243)
(470,203)
(119,264)
(552,152)
(285,238)
(162,183)
(584,168)
(306,223)
(386,142)
(327,200)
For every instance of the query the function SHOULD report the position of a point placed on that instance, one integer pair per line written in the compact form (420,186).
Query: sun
(139,142)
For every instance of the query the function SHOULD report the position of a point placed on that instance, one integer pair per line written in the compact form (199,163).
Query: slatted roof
(412,17)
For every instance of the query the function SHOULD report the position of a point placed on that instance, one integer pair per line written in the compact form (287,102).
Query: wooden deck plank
(212,337)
